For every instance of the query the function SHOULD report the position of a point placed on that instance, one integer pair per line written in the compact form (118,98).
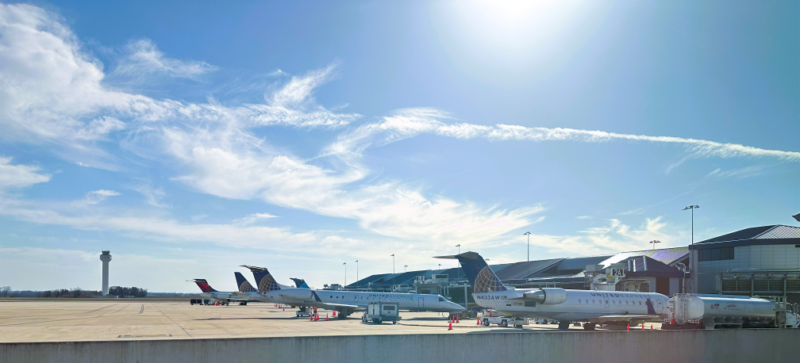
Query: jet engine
(548,296)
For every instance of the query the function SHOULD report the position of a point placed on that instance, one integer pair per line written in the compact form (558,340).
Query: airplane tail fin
(300,283)
(264,279)
(203,285)
(478,272)
(244,285)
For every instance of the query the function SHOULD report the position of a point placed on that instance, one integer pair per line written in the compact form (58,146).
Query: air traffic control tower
(106,258)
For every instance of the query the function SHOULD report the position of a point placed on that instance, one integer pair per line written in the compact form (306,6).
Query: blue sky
(190,139)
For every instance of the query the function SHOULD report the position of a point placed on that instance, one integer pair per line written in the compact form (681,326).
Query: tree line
(127,291)
(118,291)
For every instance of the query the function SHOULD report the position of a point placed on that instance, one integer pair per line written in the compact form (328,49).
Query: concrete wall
(730,346)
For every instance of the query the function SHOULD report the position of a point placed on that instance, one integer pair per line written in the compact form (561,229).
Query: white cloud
(19,176)
(95,197)
(51,91)
(412,122)
(143,58)
(253,218)
(611,238)
(584,217)
(152,196)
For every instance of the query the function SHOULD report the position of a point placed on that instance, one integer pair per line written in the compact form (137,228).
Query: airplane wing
(606,319)
(335,306)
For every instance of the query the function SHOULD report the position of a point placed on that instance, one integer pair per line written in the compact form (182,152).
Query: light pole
(405,268)
(459,248)
(653,242)
(529,254)
(683,268)
(393,269)
(529,244)
(692,207)
(356,270)
(440,266)
(345,274)
(691,251)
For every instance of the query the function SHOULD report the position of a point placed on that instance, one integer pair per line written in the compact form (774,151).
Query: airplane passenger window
(640,303)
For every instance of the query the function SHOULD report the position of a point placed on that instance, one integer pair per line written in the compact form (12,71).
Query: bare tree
(5,291)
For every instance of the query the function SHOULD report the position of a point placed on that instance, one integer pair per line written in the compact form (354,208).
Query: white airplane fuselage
(577,305)
(410,302)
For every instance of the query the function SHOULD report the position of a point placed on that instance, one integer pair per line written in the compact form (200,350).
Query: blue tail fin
(244,285)
(300,283)
(264,279)
(479,274)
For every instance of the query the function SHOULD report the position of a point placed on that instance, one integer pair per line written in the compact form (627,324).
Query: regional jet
(224,297)
(566,306)
(345,302)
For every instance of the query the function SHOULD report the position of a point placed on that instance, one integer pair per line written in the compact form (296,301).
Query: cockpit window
(441,298)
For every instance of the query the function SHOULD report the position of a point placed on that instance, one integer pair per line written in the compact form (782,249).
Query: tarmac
(43,320)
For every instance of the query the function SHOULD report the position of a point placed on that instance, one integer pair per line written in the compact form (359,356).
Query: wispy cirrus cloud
(142,58)
(408,123)
(95,197)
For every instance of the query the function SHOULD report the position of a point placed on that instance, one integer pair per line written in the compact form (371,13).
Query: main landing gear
(589,326)
(563,325)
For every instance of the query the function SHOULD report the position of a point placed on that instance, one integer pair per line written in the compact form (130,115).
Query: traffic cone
(450,327)
(284,309)
(317,317)
(326,317)
(643,326)
(628,327)
(651,326)
(334,313)
(478,322)
(673,322)
(457,319)
(311,317)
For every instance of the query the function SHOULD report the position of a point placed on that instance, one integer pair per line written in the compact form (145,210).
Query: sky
(306,136)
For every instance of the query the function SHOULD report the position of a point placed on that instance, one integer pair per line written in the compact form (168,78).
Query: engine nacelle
(548,296)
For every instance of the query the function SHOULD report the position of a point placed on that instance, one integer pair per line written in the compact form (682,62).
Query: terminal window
(716,254)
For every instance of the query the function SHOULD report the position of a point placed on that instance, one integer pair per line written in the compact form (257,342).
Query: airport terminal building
(763,261)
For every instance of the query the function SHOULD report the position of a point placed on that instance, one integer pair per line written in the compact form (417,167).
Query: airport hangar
(763,261)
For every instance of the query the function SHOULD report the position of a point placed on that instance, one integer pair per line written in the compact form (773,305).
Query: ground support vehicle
(504,321)
(690,311)
(378,312)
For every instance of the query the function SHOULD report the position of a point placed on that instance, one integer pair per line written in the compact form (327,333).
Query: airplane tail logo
(264,279)
(203,285)
(244,285)
(300,283)
(478,272)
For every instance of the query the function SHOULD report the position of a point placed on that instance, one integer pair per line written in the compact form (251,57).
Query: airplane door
(607,306)
(421,302)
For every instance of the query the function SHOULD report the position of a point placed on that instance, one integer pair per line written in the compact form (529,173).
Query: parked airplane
(218,296)
(346,302)
(590,307)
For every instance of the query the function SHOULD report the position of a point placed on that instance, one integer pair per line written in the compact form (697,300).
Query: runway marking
(146,336)
(173,321)
(142,310)
(50,321)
